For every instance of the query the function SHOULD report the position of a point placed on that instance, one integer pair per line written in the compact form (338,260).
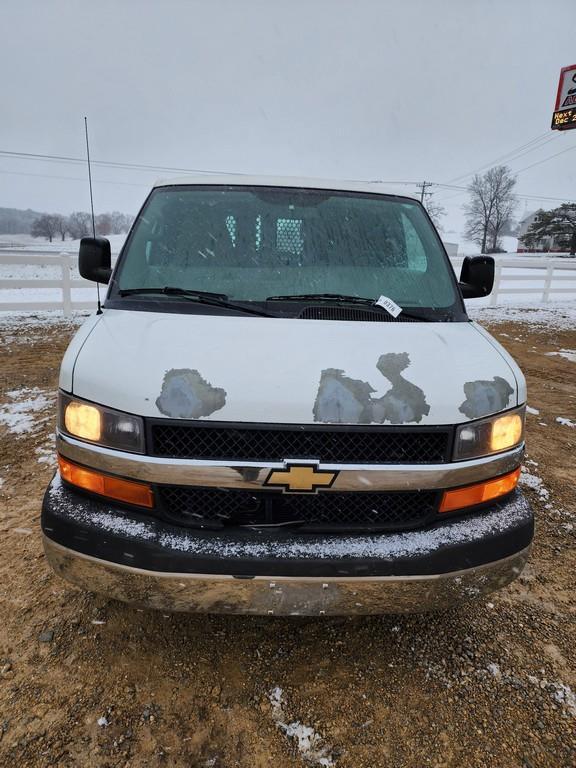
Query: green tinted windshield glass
(250,243)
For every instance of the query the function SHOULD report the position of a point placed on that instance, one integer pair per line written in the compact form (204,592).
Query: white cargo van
(283,408)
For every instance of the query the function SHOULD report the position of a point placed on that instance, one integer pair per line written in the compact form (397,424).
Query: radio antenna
(99,310)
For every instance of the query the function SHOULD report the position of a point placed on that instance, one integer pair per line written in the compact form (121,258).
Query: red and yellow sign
(564,116)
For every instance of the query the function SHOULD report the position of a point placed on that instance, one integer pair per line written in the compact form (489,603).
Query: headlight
(487,436)
(100,425)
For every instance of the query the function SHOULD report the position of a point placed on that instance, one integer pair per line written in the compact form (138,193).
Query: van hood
(290,371)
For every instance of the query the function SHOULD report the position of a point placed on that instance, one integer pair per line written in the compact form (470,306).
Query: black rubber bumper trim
(132,538)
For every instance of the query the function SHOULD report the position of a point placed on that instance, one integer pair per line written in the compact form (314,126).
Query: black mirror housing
(476,276)
(94,259)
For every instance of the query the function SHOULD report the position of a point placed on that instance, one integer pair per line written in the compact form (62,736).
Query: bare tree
(45,226)
(61,225)
(490,207)
(504,203)
(103,224)
(558,224)
(120,222)
(436,212)
(79,225)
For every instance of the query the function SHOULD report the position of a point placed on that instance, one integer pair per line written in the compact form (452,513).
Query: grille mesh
(217,508)
(344,446)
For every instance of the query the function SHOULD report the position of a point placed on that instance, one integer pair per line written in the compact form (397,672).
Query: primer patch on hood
(342,400)
(485,397)
(187,395)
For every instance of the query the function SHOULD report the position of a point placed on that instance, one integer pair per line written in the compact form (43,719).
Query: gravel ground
(89,682)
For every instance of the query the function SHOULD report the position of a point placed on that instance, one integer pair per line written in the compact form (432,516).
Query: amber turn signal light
(471,495)
(116,488)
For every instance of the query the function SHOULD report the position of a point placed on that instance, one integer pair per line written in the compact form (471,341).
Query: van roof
(376,187)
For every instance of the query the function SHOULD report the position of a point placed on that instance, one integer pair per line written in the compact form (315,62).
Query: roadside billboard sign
(564,116)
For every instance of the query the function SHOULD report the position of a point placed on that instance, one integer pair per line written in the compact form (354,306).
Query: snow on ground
(309,744)
(567,354)
(28,244)
(565,422)
(559,315)
(530,479)
(20,413)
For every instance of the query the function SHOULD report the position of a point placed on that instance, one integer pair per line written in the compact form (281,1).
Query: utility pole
(423,186)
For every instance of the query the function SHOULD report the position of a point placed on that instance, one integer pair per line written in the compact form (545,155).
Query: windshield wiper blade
(200,297)
(321,297)
(172,291)
(346,299)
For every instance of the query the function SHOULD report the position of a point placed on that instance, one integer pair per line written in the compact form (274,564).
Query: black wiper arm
(172,291)
(345,299)
(200,297)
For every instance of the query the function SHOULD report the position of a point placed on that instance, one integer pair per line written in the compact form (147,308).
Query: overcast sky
(398,91)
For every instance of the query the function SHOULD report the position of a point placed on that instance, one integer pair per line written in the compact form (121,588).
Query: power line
(110,163)
(537,142)
(545,160)
(72,178)
(521,170)
(422,186)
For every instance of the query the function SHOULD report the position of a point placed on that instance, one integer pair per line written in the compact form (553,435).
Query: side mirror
(476,276)
(94,259)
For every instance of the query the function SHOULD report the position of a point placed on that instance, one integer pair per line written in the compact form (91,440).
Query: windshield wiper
(321,296)
(345,299)
(172,291)
(200,297)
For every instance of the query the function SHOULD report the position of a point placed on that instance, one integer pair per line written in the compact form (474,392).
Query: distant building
(451,249)
(546,244)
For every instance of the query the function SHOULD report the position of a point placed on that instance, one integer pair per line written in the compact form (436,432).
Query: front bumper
(140,560)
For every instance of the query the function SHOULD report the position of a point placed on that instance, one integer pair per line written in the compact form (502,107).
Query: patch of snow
(310,744)
(535,483)
(102,722)
(533,411)
(46,453)
(568,354)
(494,670)
(562,694)
(565,696)
(21,415)
(565,422)
(546,315)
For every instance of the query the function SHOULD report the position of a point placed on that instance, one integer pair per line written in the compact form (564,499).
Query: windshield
(253,243)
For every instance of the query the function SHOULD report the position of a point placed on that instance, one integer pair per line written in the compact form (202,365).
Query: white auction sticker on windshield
(389,305)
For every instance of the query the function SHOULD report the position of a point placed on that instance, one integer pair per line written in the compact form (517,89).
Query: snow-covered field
(29,244)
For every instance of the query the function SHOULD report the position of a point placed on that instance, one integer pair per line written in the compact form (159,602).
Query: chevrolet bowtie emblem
(301,478)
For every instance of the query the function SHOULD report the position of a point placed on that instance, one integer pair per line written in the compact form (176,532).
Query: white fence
(62,286)
(534,278)
(544,279)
